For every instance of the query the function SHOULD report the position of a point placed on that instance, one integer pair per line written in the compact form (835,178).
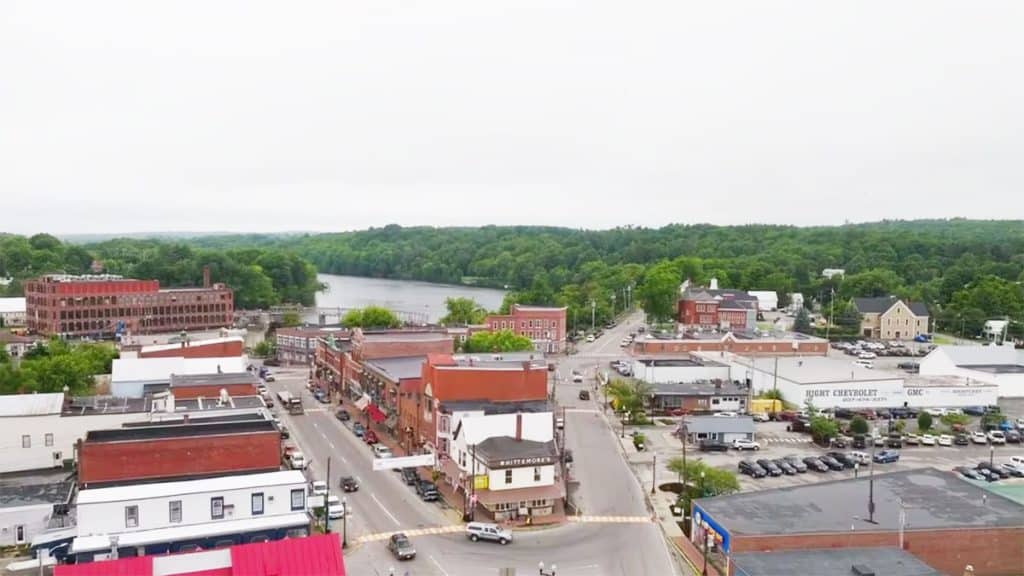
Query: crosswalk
(787,440)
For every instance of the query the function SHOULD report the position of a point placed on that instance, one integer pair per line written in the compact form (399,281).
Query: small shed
(721,428)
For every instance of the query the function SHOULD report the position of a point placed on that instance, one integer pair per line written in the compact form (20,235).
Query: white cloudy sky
(265,116)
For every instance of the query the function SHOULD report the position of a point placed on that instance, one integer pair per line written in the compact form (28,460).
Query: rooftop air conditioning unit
(862,570)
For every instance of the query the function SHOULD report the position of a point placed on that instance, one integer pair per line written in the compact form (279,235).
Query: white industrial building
(12,312)
(177,516)
(836,382)
(1000,366)
(684,369)
(41,431)
(133,377)
(28,503)
(767,300)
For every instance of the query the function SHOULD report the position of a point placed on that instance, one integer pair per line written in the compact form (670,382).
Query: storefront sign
(708,524)
(517,462)
(481,482)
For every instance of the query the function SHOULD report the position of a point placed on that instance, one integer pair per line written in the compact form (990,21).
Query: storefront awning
(375,413)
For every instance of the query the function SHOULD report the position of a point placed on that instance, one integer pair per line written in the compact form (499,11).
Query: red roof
(440,360)
(320,555)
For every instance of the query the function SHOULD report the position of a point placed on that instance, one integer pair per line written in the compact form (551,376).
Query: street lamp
(701,483)
(344,521)
(593,315)
(991,455)
(623,433)
(540,569)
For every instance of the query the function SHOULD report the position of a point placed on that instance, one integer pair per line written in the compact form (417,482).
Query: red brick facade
(213,392)
(754,347)
(217,349)
(545,326)
(96,305)
(698,312)
(100,462)
(991,551)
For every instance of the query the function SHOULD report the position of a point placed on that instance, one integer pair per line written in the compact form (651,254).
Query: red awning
(319,555)
(375,414)
(140,566)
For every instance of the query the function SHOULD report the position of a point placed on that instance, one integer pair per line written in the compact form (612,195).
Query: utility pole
(683,433)
(472,499)
(831,314)
(613,304)
(654,473)
(871,486)
(327,497)
(593,315)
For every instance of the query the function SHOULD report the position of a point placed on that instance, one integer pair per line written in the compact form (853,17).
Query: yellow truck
(765,406)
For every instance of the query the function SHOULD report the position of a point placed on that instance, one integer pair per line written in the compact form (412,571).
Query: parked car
(745,444)
(927,440)
(713,446)
(1012,469)
(285,434)
(725,414)
(410,476)
(1012,436)
(577,377)
(974,410)
(945,440)
(887,456)
(968,472)
(961,439)
(840,442)
(832,463)
(358,429)
(381,451)
(584,394)
(318,488)
(862,458)
(401,547)
(769,467)
(784,465)
(997,437)
(427,490)
(761,417)
(815,464)
(841,457)
(321,396)
(894,440)
(477,531)
(335,508)
(343,416)
(751,469)
(370,437)
(349,484)
(979,438)
(796,462)
(989,475)
(590,338)
(912,440)
(983,465)
(901,413)
(909,366)
(844,413)
(860,441)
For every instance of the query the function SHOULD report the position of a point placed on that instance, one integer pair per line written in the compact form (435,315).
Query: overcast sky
(270,116)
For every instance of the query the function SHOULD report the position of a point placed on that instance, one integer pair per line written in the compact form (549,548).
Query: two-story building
(297,346)
(889,318)
(714,308)
(12,312)
(171,517)
(543,325)
(507,465)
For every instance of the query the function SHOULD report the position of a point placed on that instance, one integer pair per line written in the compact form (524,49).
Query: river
(400,295)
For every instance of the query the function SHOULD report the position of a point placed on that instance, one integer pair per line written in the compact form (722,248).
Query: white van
(1017,460)
(864,363)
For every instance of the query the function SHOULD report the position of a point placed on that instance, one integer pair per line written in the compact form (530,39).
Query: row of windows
(174,508)
(510,506)
(26,440)
(523,324)
(726,399)
(508,475)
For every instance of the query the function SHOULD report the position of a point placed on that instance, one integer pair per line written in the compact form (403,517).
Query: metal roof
(163,489)
(399,368)
(12,305)
(34,488)
(31,404)
(697,389)
(831,562)
(933,500)
(221,379)
(181,430)
(720,425)
(160,369)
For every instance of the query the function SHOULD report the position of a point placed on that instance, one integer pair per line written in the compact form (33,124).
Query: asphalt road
(592,547)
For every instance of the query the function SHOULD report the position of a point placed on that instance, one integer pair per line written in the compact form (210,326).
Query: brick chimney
(519,426)
(206,276)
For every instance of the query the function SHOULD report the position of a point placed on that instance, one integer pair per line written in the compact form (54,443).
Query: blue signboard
(703,520)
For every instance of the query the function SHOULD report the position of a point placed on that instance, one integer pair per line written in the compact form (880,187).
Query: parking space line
(379,503)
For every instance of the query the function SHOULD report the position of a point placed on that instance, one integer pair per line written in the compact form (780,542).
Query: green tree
(629,397)
(264,349)
(924,421)
(499,341)
(823,429)
(658,292)
(716,481)
(370,317)
(5,358)
(858,425)
(802,322)
(951,420)
(463,311)
(290,319)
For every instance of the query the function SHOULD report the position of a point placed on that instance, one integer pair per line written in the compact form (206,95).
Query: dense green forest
(966,271)
(260,276)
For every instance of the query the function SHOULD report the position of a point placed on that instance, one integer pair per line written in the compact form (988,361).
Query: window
(536,474)
(257,504)
(48,439)
(131,516)
(26,441)
(508,476)
(174,511)
(217,507)
(298,499)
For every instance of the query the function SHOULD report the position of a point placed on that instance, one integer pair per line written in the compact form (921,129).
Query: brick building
(545,326)
(945,521)
(212,386)
(746,344)
(713,308)
(298,345)
(178,450)
(496,378)
(211,348)
(105,305)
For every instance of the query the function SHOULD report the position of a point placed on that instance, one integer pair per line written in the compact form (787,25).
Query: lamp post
(540,569)
(991,455)
(701,483)
(707,540)
(344,522)
(593,315)
(683,433)
(622,434)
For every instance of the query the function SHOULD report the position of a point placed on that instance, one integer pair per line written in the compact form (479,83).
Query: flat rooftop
(220,379)
(831,562)
(933,499)
(698,389)
(399,368)
(405,336)
(717,335)
(89,405)
(996,368)
(815,369)
(180,430)
(34,488)
(489,407)
(691,361)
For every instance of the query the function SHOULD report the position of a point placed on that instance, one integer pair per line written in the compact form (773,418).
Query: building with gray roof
(832,562)
(720,428)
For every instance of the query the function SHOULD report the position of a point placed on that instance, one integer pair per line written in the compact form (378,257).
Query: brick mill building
(105,305)
(713,308)
(544,326)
